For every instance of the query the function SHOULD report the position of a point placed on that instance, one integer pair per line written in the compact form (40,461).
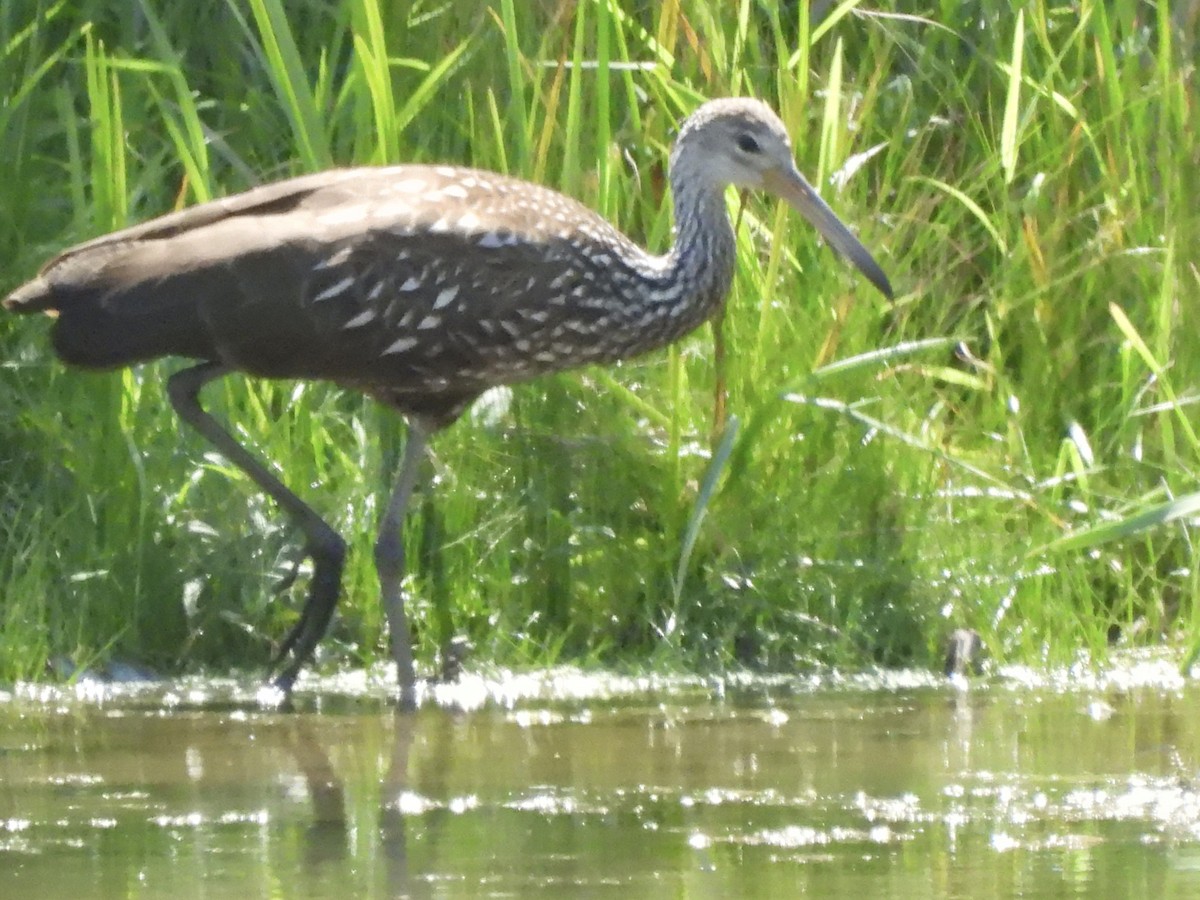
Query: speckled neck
(702,259)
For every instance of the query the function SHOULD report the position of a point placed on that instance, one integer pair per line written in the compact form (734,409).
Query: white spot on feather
(429,322)
(445,297)
(367,315)
(405,343)
(494,239)
(334,289)
(333,261)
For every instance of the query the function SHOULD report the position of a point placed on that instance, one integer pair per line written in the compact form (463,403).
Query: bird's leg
(322,544)
(389,560)
(720,384)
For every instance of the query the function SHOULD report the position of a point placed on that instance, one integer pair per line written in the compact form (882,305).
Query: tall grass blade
(1154,365)
(287,73)
(1185,507)
(708,487)
(1012,101)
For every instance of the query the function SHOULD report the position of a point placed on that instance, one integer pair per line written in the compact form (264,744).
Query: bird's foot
(453,657)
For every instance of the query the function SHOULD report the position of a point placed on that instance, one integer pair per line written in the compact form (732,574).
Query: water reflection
(560,784)
(327,839)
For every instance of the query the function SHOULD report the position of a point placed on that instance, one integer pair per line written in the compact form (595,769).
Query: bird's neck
(659,299)
(702,261)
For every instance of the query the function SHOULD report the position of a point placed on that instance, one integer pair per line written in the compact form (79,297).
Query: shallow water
(565,784)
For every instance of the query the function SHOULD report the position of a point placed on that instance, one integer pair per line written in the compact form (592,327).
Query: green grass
(1009,446)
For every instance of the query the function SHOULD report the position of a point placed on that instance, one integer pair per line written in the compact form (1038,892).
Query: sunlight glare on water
(566,783)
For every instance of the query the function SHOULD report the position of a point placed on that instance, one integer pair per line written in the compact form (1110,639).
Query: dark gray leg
(322,544)
(389,560)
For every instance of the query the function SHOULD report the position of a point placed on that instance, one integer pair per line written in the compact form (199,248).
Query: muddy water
(561,784)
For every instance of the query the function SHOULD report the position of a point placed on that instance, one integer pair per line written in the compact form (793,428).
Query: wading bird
(422,286)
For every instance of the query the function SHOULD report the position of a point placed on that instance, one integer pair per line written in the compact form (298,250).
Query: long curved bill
(792,187)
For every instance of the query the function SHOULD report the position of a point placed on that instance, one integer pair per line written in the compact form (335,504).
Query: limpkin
(422,286)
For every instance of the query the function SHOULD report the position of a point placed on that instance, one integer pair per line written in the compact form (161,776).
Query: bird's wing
(409,274)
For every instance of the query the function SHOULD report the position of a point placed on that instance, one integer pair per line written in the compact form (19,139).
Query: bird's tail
(96,330)
(34,296)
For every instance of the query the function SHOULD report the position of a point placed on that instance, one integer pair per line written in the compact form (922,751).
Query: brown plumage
(420,285)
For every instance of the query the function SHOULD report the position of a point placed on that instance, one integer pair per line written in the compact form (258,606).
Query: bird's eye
(747,144)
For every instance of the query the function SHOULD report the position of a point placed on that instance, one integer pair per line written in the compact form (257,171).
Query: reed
(1008,447)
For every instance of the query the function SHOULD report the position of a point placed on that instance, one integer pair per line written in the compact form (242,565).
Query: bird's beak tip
(885,288)
(793,188)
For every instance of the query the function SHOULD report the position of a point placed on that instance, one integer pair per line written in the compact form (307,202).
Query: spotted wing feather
(415,278)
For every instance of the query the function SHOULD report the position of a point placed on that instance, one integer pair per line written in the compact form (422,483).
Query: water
(561,784)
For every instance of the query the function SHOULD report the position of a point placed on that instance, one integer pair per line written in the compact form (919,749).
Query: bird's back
(420,278)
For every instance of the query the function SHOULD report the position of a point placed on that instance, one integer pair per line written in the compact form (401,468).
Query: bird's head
(742,142)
